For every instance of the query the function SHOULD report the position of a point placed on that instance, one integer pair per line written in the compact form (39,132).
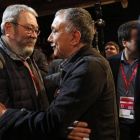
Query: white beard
(21,47)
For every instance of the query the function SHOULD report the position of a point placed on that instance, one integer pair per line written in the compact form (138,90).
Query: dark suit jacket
(114,62)
(87,93)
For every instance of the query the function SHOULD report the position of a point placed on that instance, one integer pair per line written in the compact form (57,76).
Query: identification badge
(126,109)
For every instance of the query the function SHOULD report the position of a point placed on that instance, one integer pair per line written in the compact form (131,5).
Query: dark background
(113,14)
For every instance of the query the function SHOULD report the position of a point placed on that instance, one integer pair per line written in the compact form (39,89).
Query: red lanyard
(32,75)
(131,78)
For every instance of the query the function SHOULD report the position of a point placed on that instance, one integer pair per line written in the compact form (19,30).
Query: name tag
(126,109)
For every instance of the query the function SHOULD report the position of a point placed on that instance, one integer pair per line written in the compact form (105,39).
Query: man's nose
(34,35)
(50,38)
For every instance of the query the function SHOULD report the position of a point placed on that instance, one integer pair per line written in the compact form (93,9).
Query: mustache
(31,40)
(52,44)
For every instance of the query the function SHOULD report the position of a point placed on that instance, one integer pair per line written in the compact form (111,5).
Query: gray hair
(78,19)
(12,14)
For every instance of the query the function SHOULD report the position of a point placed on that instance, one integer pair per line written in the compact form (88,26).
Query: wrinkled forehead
(28,19)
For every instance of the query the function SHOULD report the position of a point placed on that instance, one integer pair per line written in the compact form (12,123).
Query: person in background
(85,90)
(111,48)
(21,83)
(41,61)
(126,72)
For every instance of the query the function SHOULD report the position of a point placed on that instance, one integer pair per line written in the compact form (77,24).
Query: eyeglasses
(29,30)
(110,49)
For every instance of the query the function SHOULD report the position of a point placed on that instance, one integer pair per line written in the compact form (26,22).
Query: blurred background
(107,14)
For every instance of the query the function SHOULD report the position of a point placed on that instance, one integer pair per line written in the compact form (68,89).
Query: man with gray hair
(21,81)
(21,84)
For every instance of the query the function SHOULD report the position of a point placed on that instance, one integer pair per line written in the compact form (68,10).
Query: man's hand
(78,131)
(2,109)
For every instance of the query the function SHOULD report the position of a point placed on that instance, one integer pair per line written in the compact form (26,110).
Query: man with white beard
(21,81)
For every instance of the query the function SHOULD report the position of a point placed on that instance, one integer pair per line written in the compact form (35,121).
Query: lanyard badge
(131,78)
(126,108)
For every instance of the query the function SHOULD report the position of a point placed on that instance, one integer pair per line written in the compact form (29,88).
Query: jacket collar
(85,50)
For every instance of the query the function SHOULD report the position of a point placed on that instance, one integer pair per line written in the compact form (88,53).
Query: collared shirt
(121,87)
(63,63)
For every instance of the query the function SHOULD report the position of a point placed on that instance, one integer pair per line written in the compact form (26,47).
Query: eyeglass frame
(29,30)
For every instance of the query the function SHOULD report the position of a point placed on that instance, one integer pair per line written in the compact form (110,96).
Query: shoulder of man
(116,56)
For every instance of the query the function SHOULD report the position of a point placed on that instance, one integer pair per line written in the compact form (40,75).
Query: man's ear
(8,27)
(124,43)
(76,36)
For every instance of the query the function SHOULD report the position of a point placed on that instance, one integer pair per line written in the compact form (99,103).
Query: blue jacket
(87,94)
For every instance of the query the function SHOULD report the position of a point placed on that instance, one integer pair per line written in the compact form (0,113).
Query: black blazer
(114,62)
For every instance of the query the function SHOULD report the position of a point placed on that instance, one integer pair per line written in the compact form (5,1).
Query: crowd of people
(81,95)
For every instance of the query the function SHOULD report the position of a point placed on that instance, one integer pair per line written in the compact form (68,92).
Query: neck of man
(74,49)
(12,49)
(130,57)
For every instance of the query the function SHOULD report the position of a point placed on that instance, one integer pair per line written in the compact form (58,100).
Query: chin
(27,52)
(56,54)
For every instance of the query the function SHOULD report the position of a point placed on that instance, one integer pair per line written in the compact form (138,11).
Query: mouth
(31,43)
(52,45)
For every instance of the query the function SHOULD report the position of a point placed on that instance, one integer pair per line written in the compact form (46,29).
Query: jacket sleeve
(51,83)
(5,96)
